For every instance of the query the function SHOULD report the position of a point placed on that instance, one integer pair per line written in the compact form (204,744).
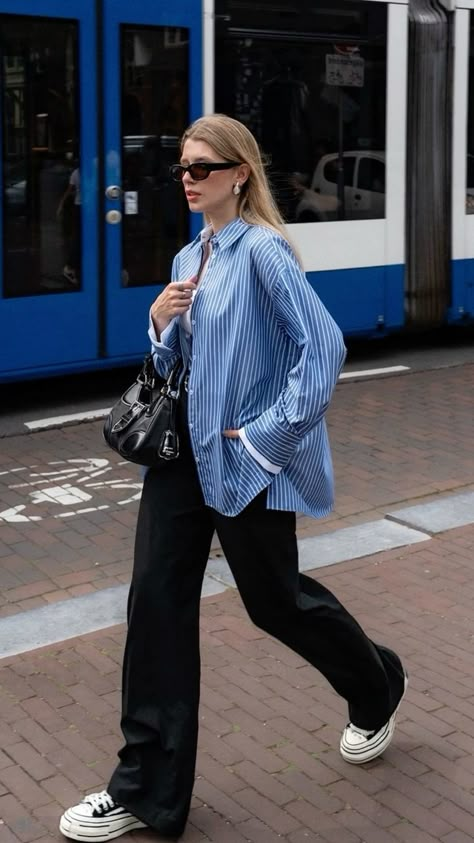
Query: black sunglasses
(200,170)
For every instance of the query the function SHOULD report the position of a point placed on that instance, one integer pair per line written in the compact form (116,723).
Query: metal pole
(340,163)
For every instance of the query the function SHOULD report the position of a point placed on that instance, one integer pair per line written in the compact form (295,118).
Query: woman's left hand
(231,434)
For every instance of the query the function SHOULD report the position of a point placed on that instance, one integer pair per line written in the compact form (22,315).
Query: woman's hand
(173,301)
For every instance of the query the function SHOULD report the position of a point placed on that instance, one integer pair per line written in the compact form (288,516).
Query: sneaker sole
(89,831)
(361,756)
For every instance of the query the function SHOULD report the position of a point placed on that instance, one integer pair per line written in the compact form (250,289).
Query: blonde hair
(232,141)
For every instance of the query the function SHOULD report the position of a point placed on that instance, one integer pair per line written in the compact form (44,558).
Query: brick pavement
(269,769)
(395,441)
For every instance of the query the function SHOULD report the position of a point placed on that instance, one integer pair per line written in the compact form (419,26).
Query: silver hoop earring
(236,189)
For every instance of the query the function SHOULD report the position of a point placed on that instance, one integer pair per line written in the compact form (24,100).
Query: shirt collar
(225,236)
(205,235)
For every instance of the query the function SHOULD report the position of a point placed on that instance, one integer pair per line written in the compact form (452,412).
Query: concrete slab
(219,571)
(446,513)
(70,618)
(354,542)
(60,621)
(107,607)
(340,546)
(212,586)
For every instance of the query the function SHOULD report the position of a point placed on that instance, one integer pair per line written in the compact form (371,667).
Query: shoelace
(100,802)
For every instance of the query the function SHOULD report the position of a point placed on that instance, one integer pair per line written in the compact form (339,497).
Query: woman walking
(261,357)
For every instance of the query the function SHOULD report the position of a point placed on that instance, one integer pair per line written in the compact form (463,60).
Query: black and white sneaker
(97,818)
(358,746)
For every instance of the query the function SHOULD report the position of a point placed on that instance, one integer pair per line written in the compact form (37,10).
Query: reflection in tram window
(470,124)
(72,267)
(154,116)
(312,88)
(41,209)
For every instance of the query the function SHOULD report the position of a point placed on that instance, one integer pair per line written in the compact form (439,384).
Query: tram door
(94,96)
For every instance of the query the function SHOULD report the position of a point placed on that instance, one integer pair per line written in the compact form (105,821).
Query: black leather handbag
(141,426)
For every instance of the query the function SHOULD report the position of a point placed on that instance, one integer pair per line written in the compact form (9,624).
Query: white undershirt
(186,317)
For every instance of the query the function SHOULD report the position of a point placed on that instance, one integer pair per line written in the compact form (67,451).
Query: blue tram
(364,110)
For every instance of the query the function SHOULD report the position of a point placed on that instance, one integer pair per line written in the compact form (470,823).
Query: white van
(364,188)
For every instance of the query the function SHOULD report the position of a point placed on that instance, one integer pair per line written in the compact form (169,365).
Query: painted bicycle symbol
(68,488)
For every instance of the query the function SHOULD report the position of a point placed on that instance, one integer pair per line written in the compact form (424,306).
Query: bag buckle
(128,417)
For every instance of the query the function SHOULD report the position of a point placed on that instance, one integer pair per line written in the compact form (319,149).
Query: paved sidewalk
(68,503)
(269,768)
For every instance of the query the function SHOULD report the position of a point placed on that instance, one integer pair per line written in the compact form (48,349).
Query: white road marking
(82,511)
(364,373)
(53,421)
(27,485)
(65,494)
(13,515)
(103,483)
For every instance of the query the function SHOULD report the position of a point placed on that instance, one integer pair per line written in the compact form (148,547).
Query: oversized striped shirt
(264,356)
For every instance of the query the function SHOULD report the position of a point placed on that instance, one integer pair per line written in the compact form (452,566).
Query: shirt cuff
(159,343)
(268,466)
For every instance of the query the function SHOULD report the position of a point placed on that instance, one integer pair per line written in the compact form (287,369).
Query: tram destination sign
(344,71)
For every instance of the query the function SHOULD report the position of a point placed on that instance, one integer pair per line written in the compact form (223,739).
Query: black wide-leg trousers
(161,672)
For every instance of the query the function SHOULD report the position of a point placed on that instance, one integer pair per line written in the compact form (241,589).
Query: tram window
(154,116)
(331,169)
(470,124)
(41,199)
(309,80)
(371,175)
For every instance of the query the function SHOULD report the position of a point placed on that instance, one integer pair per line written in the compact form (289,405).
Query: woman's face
(212,196)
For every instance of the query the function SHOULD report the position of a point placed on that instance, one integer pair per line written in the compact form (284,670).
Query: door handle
(113,191)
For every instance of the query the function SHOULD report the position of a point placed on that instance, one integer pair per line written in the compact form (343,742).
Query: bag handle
(149,375)
(147,378)
(172,385)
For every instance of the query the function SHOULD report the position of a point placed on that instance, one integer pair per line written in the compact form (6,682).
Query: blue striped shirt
(264,355)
